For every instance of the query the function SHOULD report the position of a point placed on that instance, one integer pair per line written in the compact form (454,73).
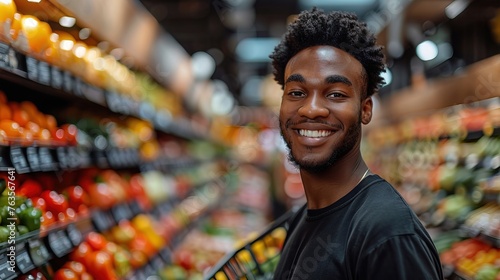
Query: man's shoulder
(380,208)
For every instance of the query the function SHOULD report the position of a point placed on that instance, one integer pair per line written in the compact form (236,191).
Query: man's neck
(324,188)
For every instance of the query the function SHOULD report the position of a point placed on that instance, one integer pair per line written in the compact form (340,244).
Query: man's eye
(336,94)
(296,93)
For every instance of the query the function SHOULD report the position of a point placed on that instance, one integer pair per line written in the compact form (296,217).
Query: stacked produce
(446,166)
(21,123)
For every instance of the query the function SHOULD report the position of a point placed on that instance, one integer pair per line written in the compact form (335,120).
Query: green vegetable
(4,234)
(22,230)
(30,217)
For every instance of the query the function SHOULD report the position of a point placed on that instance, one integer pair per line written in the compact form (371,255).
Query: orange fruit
(50,122)
(33,127)
(7,11)
(20,116)
(43,135)
(11,128)
(29,107)
(15,27)
(5,113)
(37,32)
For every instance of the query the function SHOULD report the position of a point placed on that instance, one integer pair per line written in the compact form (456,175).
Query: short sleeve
(403,257)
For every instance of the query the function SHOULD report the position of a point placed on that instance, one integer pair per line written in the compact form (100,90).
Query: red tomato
(39,203)
(81,253)
(96,241)
(101,266)
(56,203)
(101,196)
(29,188)
(70,133)
(65,274)
(47,220)
(76,196)
(86,276)
(76,267)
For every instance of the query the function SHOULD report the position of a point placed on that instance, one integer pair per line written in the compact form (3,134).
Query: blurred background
(139,139)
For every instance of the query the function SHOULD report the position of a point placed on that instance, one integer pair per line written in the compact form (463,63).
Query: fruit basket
(257,259)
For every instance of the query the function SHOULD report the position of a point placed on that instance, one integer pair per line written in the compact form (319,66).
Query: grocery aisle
(119,161)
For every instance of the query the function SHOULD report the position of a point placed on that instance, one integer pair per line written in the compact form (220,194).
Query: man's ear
(366,110)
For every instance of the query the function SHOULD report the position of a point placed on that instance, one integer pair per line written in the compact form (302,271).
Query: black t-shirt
(369,234)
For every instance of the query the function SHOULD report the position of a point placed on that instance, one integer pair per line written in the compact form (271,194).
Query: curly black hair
(339,29)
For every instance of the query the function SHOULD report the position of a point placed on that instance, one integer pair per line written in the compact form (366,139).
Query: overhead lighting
(456,7)
(35,1)
(67,21)
(427,50)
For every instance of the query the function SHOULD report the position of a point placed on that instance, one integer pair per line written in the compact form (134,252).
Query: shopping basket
(257,259)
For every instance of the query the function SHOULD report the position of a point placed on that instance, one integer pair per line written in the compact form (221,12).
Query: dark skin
(323,106)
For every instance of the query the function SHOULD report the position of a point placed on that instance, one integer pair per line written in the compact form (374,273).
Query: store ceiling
(216,26)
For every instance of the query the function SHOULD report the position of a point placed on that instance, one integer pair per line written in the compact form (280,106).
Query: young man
(354,225)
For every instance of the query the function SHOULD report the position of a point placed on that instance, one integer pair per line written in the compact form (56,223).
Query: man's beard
(349,142)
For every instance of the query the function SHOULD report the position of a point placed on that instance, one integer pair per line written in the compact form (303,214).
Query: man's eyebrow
(338,79)
(295,78)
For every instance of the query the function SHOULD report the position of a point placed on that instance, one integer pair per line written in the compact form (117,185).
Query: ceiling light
(456,7)
(35,1)
(427,50)
(67,21)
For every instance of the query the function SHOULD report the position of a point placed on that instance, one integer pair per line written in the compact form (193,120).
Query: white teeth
(314,133)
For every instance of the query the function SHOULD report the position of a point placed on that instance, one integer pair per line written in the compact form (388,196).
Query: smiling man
(354,225)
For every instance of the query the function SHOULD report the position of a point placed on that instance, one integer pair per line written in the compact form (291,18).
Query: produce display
(446,167)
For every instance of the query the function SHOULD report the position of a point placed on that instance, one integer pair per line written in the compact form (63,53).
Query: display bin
(257,259)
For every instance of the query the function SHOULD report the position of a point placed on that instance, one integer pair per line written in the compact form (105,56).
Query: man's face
(321,108)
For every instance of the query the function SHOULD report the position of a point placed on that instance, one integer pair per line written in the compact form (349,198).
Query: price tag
(62,158)
(68,81)
(95,95)
(4,57)
(157,263)
(114,102)
(19,160)
(166,255)
(32,68)
(46,160)
(112,158)
(135,208)
(23,260)
(148,270)
(78,87)
(121,212)
(56,78)
(99,158)
(7,271)
(102,221)
(33,159)
(44,73)
(147,111)
(73,157)
(84,156)
(75,236)
(38,252)
(59,243)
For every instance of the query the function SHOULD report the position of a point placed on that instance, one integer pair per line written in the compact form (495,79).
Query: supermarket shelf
(52,158)
(37,248)
(31,73)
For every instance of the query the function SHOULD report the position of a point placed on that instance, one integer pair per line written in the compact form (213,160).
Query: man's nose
(314,106)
